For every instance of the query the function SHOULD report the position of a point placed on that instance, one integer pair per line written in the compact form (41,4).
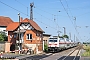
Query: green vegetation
(87,48)
(3,36)
(65,36)
(45,47)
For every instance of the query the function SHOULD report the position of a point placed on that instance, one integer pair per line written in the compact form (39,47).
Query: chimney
(21,19)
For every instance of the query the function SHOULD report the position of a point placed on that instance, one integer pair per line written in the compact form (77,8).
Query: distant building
(46,37)
(31,35)
(4,21)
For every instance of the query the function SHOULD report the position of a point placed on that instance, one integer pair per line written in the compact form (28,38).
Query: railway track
(74,55)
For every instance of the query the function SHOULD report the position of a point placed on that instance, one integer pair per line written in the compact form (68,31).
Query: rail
(72,55)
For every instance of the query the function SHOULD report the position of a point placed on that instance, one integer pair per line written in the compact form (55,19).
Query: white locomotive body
(53,44)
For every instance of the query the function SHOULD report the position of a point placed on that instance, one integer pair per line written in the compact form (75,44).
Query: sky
(53,15)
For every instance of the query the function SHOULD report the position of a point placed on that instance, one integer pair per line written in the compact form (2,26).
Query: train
(56,44)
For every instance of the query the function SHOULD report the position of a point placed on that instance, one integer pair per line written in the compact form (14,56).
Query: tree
(65,36)
(3,36)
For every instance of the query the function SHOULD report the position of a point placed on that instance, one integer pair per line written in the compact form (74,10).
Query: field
(87,48)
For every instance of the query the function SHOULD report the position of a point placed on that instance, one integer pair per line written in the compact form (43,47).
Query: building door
(12,47)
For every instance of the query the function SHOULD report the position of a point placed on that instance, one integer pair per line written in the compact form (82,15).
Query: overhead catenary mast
(70,35)
(64,30)
(31,11)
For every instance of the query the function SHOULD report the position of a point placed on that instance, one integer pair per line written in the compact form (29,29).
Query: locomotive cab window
(52,40)
(55,40)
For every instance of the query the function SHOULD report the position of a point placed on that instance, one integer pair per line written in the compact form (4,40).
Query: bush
(3,36)
(45,47)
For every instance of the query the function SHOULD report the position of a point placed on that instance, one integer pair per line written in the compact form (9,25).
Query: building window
(29,36)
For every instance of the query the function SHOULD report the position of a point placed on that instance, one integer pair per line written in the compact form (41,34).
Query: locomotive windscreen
(52,40)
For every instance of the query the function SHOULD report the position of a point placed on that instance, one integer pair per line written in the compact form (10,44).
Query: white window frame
(29,37)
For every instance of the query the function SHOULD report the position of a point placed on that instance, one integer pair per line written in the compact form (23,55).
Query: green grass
(87,48)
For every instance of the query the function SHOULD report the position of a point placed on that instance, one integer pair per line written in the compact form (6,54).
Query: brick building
(31,35)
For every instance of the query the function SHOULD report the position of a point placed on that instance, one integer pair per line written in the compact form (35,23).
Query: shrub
(3,36)
(45,47)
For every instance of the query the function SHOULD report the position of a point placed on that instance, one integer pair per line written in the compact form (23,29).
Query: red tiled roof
(4,21)
(34,24)
(12,26)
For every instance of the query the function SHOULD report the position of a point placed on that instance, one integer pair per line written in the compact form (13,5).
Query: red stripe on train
(52,44)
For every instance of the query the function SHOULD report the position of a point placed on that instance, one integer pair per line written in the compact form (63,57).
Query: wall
(36,41)
(2,46)
(35,38)
(11,38)
(45,39)
(7,47)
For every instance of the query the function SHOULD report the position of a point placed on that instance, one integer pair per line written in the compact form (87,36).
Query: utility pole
(75,21)
(70,35)
(64,30)
(31,11)
(74,37)
(19,32)
(59,33)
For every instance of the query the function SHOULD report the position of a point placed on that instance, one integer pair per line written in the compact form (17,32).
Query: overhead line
(42,15)
(66,11)
(13,8)
(24,13)
(69,17)
(23,5)
(48,19)
(46,24)
(68,7)
(38,13)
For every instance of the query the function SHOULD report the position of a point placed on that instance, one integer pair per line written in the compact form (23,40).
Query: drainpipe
(37,43)
(19,32)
